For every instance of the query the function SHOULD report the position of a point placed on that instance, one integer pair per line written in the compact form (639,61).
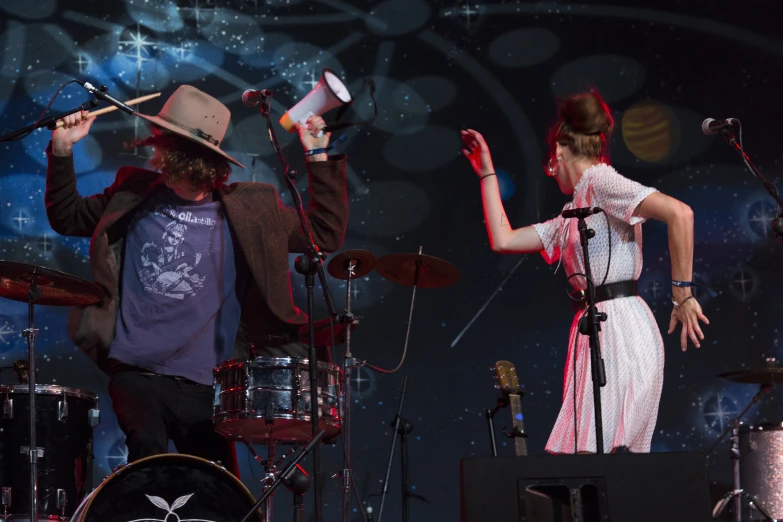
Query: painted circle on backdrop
(191,60)
(389,208)
(616,77)
(687,140)
(651,131)
(154,77)
(506,184)
(34,48)
(437,91)
(160,16)
(301,65)
(394,18)
(524,47)
(401,110)
(31,10)
(431,148)
(233,32)
(266,56)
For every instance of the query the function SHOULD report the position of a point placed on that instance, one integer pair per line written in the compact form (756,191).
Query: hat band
(192,130)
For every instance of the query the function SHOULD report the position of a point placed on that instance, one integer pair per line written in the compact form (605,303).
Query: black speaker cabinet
(627,487)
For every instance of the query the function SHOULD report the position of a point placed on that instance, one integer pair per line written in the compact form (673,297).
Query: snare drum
(168,488)
(761,450)
(268,398)
(65,418)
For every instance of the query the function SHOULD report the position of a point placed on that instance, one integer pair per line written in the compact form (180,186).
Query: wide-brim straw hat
(196,116)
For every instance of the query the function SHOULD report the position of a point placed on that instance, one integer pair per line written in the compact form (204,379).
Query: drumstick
(135,101)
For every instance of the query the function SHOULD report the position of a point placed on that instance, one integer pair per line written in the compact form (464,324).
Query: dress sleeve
(551,234)
(619,196)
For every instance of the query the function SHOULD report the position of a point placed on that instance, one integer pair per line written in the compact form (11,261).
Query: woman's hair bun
(586,113)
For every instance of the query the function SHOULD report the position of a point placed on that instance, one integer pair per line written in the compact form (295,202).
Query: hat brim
(185,134)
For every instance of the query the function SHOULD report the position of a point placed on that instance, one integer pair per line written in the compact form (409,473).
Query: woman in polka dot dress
(631,344)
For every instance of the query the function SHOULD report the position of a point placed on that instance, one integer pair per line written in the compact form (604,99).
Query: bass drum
(761,450)
(168,488)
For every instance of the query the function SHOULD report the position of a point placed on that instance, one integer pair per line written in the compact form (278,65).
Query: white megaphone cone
(329,93)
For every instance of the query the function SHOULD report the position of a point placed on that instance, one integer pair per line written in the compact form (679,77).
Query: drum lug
(8,408)
(62,501)
(25,450)
(6,500)
(94,417)
(62,410)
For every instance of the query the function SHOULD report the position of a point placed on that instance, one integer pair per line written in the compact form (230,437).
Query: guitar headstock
(506,374)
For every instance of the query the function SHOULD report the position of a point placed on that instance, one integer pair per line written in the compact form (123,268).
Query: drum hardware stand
(308,265)
(738,493)
(288,475)
(32,450)
(349,362)
(270,471)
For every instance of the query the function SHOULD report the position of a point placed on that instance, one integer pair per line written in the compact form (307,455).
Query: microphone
(710,126)
(103,94)
(581,213)
(252,97)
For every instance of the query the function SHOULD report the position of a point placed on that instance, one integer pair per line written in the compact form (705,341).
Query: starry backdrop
(439,66)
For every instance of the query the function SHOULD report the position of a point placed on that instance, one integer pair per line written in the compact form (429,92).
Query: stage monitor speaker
(628,487)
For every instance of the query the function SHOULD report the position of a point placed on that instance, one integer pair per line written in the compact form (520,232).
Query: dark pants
(153,409)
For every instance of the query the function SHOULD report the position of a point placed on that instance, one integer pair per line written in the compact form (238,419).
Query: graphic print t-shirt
(179,311)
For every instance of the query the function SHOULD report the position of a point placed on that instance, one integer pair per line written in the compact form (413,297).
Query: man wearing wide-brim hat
(183,259)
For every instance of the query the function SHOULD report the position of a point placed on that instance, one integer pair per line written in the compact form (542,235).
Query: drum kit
(759,447)
(267,400)
(46,441)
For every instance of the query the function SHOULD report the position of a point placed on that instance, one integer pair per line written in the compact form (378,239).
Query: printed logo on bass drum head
(171,516)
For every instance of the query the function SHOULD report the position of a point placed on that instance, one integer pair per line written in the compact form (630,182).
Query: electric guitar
(508,384)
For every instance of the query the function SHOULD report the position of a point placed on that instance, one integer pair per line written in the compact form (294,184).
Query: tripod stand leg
(720,507)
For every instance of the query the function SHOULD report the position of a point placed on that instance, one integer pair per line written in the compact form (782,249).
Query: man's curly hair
(177,158)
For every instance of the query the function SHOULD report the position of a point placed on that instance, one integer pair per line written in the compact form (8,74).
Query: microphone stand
(777,224)
(590,325)
(503,401)
(308,265)
(49,122)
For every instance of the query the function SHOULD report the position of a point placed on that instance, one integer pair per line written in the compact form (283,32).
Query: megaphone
(329,93)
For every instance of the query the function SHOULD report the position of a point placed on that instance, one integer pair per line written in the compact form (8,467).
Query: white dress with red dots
(630,340)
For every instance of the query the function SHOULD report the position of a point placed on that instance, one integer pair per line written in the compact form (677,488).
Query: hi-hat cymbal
(54,288)
(433,272)
(769,375)
(363,260)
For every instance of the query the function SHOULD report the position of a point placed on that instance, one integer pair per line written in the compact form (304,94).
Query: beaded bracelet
(675,303)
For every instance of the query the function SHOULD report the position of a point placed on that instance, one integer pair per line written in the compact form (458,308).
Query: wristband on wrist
(692,284)
(487,175)
(334,144)
(675,303)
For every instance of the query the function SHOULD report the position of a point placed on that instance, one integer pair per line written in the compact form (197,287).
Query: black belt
(605,293)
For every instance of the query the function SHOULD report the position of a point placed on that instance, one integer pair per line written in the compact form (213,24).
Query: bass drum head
(169,488)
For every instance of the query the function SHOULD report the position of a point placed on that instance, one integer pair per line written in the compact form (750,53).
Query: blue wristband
(691,284)
(313,152)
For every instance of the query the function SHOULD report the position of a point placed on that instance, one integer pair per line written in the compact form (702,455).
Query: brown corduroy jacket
(265,231)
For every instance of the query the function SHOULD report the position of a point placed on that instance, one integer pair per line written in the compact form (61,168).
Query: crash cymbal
(769,375)
(433,272)
(364,261)
(323,336)
(54,288)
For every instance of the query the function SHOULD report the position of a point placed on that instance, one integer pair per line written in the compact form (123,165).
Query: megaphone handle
(304,119)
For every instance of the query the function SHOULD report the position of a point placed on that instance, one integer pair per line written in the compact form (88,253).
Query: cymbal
(433,272)
(364,261)
(55,288)
(769,375)
(323,336)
